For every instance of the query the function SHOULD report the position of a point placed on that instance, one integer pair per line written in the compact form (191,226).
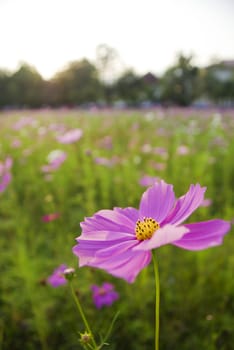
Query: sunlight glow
(147,34)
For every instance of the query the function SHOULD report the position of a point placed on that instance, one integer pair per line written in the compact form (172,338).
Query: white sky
(147,34)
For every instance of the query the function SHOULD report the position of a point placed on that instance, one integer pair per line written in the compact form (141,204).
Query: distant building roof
(228,63)
(149,78)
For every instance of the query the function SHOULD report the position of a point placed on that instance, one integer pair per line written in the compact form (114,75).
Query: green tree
(179,85)
(25,87)
(4,80)
(218,82)
(129,87)
(77,84)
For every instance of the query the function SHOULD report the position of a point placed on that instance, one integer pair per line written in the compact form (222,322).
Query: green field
(104,169)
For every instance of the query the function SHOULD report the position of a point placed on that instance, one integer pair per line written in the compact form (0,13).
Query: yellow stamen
(146,228)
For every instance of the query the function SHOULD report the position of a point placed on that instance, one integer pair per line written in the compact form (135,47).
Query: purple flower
(70,136)
(57,278)
(104,295)
(120,240)
(50,217)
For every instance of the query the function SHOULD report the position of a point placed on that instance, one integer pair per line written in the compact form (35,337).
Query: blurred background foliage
(86,84)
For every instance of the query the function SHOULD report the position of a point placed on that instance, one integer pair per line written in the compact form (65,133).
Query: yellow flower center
(146,228)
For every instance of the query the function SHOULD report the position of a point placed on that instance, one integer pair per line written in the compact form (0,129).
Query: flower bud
(69,273)
(85,338)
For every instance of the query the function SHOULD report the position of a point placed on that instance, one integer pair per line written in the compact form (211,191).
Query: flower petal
(119,261)
(126,265)
(164,235)
(111,220)
(131,213)
(157,201)
(86,249)
(203,235)
(111,250)
(105,236)
(185,205)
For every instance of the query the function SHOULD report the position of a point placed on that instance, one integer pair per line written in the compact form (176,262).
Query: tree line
(83,83)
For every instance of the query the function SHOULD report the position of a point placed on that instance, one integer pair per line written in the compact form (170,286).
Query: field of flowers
(58,167)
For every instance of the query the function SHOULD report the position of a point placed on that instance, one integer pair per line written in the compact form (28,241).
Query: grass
(197,288)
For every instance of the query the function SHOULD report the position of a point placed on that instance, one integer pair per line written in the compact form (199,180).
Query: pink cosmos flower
(57,278)
(55,159)
(106,142)
(148,180)
(105,161)
(16,143)
(70,136)
(5,179)
(22,122)
(6,166)
(182,150)
(120,240)
(104,295)
(50,217)
(161,151)
(5,174)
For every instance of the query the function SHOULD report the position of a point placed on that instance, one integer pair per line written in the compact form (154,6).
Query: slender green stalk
(76,299)
(157,301)
(109,330)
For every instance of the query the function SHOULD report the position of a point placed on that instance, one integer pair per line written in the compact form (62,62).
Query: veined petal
(133,267)
(157,201)
(86,250)
(203,235)
(185,205)
(123,246)
(131,213)
(105,236)
(90,244)
(126,265)
(164,235)
(111,220)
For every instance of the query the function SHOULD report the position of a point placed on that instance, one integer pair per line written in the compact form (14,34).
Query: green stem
(109,330)
(76,299)
(157,301)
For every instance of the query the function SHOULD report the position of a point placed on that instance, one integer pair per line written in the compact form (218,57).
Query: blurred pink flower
(5,174)
(105,161)
(22,122)
(159,166)
(182,150)
(50,217)
(146,148)
(5,179)
(104,295)
(16,143)
(106,142)
(57,278)
(70,136)
(206,202)
(55,159)
(161,151)
(148,180)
